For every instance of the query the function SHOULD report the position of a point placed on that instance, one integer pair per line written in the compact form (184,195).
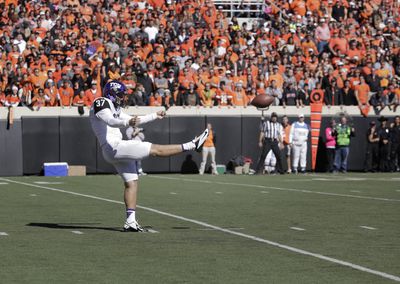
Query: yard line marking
(48,182)
(218,192)
(3,234)
(297,229)
(264,191)
(77,232)
(3,183)
(368,228)
(246,236)
(32,195)
(152,231)
(287,189)
(209,229)
(172,193)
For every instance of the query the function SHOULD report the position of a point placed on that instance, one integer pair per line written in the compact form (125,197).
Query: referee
(270,137)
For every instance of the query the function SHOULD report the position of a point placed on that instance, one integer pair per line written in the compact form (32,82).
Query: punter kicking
(106,117)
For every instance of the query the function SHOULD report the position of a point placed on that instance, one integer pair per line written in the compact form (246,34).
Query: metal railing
(241,8)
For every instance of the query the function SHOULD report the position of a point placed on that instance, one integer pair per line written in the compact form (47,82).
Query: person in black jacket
(332,94)
(395,144)
(384,145)
(372,153)
(347,96)
(145,80)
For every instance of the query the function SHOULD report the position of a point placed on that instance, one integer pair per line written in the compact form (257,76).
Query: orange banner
(316,115)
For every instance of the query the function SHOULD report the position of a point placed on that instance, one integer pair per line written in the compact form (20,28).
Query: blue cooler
(55,169)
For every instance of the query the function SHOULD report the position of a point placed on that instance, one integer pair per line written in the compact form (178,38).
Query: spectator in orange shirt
(38,79)
(51,93)
(223,95)
(155,100)
(207,96)
(66,95)
(81,100)
(239,95)
(39,99)
(278,78)
(362,92)
(362,95)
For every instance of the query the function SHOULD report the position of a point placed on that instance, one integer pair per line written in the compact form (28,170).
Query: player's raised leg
(170,150)
(138,150)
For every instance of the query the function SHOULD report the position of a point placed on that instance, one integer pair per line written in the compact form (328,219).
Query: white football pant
(299,152)
(206,152)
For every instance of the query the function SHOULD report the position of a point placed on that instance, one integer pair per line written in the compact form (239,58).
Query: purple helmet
(116,92)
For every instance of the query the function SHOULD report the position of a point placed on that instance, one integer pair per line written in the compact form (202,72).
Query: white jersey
(299,133)
(106,121)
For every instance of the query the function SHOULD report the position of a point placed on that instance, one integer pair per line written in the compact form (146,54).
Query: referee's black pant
(270,144)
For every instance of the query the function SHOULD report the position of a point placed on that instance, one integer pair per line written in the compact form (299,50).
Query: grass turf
(41,248)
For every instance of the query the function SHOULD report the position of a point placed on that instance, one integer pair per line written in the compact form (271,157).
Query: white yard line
(218,192)
(209,229)
(33,195)
(368,228)
(3,234)
(264,191)
(297,229)
(173,193)
(77,232)
(285,189)
(48,182)
(3,183)
(231,232)
(152,231)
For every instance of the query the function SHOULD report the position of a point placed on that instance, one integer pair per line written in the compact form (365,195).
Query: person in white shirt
(298,140)
(21,43)
(106,117)
(220,50)
(152,31)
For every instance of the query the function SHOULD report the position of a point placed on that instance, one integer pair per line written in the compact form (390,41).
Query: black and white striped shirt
(271,130)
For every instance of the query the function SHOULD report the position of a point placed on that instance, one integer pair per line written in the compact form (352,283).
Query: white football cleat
(133,227)
(200,140)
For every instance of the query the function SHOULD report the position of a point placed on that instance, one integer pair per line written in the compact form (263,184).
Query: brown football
(262,101)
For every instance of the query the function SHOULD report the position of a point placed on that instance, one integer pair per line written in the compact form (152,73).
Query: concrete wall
(32,141)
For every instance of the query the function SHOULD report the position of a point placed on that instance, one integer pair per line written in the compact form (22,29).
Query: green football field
(203,229)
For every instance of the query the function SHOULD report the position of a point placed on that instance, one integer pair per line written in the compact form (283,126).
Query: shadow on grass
(73,226)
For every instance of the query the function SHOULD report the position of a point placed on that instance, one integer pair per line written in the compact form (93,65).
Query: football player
(107,117)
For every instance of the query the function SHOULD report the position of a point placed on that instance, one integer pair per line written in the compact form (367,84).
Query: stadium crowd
(190,53)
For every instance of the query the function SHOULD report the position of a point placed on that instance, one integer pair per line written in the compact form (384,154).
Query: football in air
(262,101)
